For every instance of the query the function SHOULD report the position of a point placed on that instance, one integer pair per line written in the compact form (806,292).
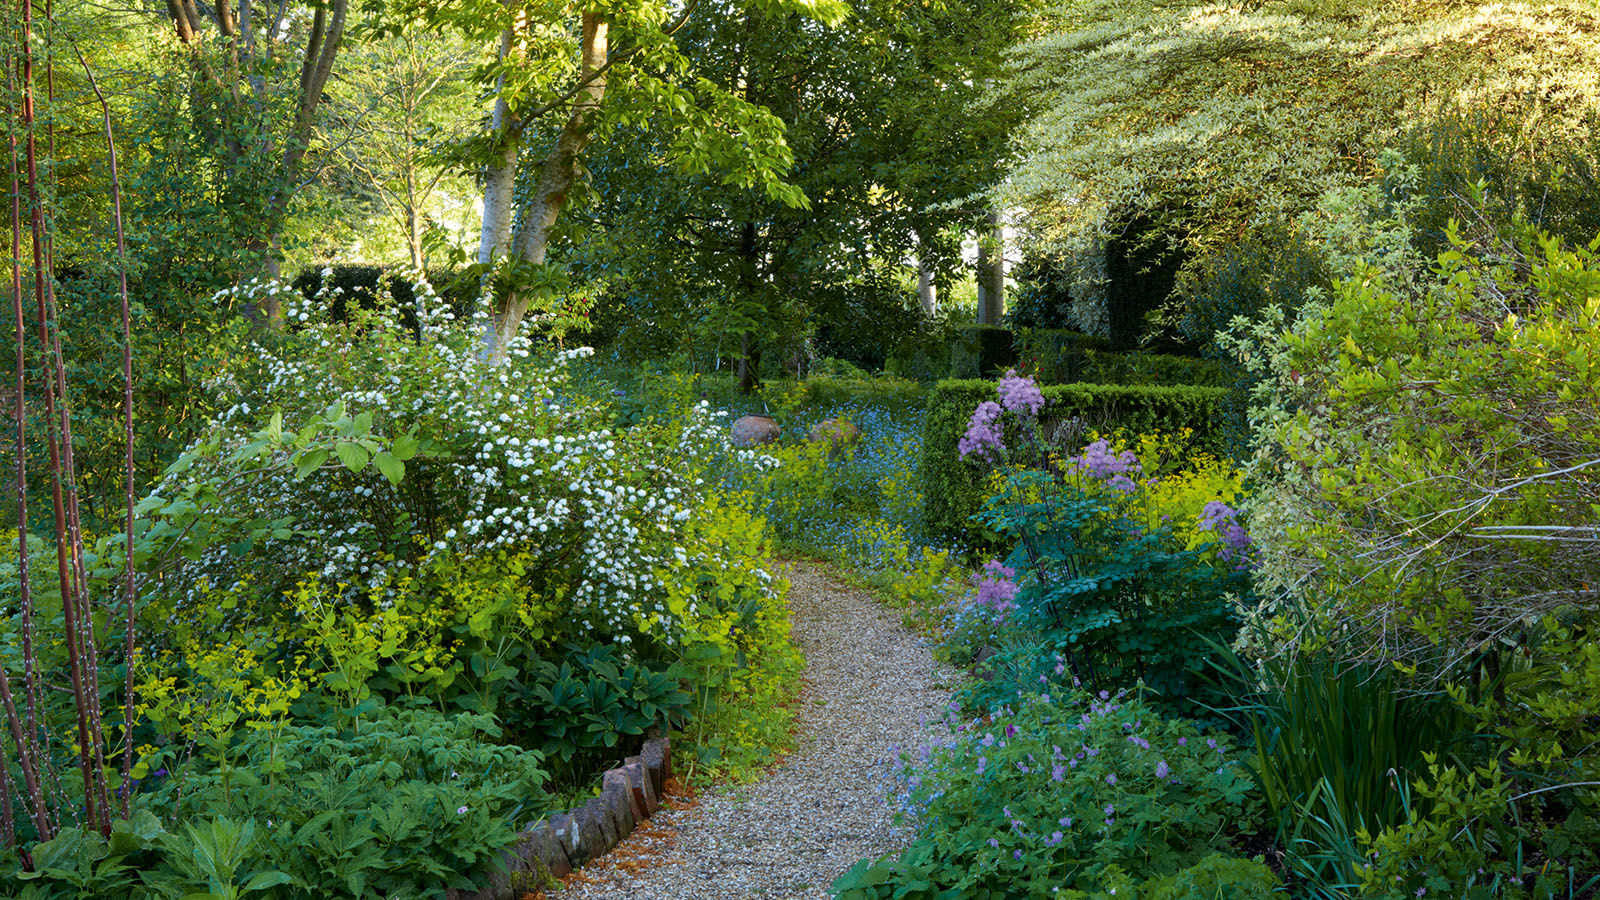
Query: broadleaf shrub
(1055,355)
(1152,368)
(979,351)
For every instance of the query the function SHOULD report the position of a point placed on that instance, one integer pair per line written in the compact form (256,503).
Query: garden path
(870,685)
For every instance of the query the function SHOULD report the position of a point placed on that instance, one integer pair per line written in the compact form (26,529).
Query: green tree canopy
(892,149)
(1203,119)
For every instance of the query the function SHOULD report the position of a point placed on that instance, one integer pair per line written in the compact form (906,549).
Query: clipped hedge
(953,489)
(981,350)
(1153,369)
(1056,355)
(362,282)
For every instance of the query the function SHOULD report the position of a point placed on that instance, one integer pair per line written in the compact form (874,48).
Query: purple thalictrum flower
(1100,462)
(1020,394)
(984,436)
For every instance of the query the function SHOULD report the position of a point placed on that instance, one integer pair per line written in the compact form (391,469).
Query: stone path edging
(554,846)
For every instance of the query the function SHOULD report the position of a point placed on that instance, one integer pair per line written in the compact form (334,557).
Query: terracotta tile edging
(552,847)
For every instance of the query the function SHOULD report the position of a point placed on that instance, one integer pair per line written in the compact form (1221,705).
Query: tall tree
(265,69)
(401,99)
(1200,118)
(569,74)
(892,147)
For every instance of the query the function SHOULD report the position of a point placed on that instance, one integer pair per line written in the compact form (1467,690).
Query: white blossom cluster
(516,458)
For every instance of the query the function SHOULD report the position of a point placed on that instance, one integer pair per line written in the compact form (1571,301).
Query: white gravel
(870,686)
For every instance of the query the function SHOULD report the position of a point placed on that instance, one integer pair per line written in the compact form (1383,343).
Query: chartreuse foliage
(1173,112)
(1424,504)
(403,597)
(1069,795)
(954,491)
(1440,432)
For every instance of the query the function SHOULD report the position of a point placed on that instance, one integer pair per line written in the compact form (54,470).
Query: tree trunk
(927,292)
(413,220)
(749,363)
(560,172)
(499,178)
(992,272)
(323,41)
(748,369)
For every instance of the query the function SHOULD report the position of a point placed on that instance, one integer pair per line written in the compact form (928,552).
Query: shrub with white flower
(440,453)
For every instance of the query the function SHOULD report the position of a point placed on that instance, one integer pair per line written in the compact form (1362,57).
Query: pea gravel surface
(870,687)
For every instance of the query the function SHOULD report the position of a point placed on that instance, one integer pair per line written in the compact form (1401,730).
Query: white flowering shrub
(450,475)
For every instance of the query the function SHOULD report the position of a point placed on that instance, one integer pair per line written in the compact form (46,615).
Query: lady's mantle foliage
(497,457)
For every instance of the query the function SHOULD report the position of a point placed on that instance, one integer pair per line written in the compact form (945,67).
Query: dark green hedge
(1152,369)
(980,351)
(953,488)
(1056,356)
(361,282)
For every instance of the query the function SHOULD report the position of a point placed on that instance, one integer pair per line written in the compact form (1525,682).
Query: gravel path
(870,684)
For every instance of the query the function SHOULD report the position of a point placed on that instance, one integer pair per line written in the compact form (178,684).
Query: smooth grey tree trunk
(927,291)
(500,176)
(992,272)
(531,242)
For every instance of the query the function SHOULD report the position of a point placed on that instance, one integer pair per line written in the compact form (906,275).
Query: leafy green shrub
(1487,165)
(409,803)
(1152,368)
(1421,451)
(955,491)
(1040,295)
(1065,791)
(1424,500)
(1469,845)
(1275,265)
(923,355)
(980,351)
(380,515)
(496,460)
(368,286)
(578,712)
(1067,357)
(1521,819)
(1118,597)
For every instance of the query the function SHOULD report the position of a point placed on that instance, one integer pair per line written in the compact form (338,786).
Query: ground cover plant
(1069,794)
